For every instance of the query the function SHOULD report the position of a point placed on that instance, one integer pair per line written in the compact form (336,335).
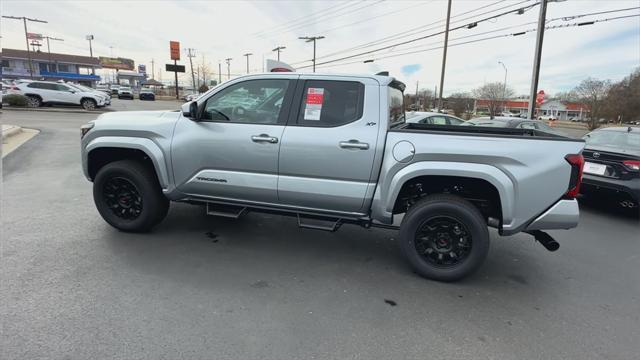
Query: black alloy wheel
(122,197)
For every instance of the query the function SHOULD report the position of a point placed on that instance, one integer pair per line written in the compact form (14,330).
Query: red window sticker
(313,106)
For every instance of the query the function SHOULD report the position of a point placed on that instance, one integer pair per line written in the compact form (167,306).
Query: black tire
(34,101)
(464,223)
(89,104)
(140,204)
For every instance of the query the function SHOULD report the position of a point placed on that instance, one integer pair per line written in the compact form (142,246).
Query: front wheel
(444,237)
(128,196)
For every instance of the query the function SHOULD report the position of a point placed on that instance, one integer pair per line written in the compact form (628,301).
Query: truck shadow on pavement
(270,252)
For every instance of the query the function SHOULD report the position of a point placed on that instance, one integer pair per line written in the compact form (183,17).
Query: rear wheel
(34,101)
(88,104)
(444,237)
(128,196)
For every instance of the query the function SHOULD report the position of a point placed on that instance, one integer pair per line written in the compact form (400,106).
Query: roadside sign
(174,68)
(116,63)
(540,97)
(34,36)
(174,48)
(142,69)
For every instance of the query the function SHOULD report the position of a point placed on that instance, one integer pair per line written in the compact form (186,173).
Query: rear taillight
(633,165)
(577,163)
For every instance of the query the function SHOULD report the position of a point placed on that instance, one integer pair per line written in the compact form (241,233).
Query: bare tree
(460,103)
(570,96)
(593,92)
(495,94)
(622,103)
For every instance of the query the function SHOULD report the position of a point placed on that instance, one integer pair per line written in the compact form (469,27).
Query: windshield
(619,139)
(485,122)
(396,107)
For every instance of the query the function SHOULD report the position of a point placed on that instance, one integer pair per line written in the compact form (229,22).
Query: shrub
(203,88)
(15,100)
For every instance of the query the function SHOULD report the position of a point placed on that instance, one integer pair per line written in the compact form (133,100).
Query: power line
(551,27)
(334,16)
(302,20)
(426,36)
(425,27)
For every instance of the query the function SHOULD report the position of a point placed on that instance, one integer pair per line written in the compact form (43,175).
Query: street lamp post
(90,37)
(504,88)
(314,39)
(278,49)
(247,56)
(26,36)
(228,60)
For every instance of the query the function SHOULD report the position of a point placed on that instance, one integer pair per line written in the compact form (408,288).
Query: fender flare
(506,187)
(147,146)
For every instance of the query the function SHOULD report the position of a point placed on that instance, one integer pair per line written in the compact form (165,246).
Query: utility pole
(26,36)
(49,50)
(219,72)
(191,53)
(417,101)
(444,54)
(536,60)
(278,49)
(247,56)
(504,88)
(153,70)
(228,60)
(314,39)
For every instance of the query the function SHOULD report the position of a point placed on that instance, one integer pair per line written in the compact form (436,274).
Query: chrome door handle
(353,144)
(264,138)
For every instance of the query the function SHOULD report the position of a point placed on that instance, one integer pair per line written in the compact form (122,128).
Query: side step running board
(319,223)
(228,211)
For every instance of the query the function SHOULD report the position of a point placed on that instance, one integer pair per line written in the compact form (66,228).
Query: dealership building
(563,110)
(49,66)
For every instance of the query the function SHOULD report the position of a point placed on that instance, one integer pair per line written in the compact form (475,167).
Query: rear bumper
(597,185)
(562,215)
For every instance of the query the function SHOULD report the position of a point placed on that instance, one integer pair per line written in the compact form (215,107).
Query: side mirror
(190,110)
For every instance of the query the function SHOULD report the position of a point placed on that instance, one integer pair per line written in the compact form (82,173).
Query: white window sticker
(313,106)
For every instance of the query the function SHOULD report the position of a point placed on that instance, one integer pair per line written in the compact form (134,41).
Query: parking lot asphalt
(259,287)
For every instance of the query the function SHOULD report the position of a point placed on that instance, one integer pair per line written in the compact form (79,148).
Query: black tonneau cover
(481,131)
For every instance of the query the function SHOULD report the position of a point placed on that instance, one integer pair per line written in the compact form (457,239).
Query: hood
(136,119)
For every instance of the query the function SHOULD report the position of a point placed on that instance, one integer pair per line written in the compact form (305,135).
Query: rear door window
(327,103)
(396,107)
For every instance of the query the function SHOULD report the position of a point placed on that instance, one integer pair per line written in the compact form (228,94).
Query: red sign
(540,97)
(315,96)
(34,36)
(174,48)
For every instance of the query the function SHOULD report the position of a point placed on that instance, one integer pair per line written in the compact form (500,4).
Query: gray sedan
(514,123)
(432,118)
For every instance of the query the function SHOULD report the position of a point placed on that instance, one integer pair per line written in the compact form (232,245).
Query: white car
(548,117)
(48,92)
(107,98)
(125,92)
(432,118)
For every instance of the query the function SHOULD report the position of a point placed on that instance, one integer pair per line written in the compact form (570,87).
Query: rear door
(328,146)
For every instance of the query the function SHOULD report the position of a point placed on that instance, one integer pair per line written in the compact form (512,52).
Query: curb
(59,110)
(12,130)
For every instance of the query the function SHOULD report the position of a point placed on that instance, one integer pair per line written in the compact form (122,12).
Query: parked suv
(107,98)
(48,92)
(125,92)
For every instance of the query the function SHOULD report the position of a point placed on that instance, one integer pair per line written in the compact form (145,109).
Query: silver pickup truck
(333,150)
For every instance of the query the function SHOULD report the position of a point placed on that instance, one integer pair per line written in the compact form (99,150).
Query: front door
(328,146)
(232,152)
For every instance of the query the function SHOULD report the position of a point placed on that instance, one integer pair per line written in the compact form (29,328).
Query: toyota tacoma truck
(333,150)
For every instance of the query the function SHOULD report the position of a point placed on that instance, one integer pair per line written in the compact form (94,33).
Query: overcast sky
(141,30)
